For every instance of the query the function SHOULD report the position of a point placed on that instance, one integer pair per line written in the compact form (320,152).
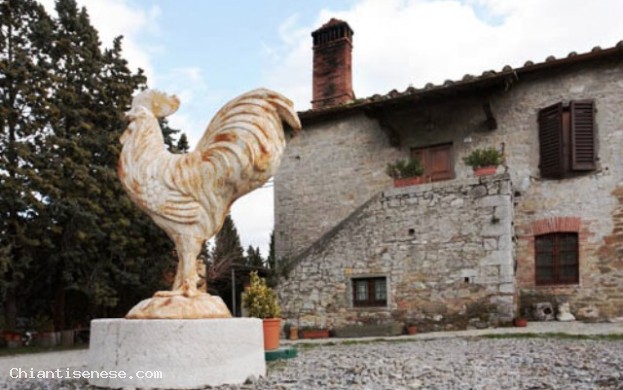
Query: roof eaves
(468,81)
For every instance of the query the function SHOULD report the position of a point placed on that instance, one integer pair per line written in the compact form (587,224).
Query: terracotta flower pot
(520,322)
(13,339)
(482,171)
(294,333)
(409,181)
(411,329)
(315,333)
(272,330)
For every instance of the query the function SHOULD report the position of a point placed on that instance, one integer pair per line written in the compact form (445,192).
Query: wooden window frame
(371,300)
(556,251)
(567,139)
(425,155)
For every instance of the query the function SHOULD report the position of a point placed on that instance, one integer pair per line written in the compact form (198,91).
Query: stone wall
(445,249)
(593,199)
(338,164)
(327,172)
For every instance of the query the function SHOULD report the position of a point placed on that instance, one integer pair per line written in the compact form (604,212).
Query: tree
(24,65)
(65,221)
(106,248)
(70,173)
(254,257)
(182,144)
(226,252)
(270,259)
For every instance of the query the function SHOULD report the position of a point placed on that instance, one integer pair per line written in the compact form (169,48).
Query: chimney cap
(332,24)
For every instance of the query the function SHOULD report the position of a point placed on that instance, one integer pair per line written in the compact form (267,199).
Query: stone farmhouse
(458,250)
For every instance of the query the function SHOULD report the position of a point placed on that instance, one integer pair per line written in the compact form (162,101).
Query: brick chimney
(333,45)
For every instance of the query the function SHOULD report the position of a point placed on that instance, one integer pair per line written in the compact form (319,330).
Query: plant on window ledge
(405,172)
(484,161)
(261,302)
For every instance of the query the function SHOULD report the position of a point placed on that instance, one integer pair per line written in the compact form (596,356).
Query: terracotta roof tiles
(468,80)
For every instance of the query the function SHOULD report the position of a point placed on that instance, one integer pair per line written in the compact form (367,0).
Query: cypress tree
(254,257)
(65,221)
(270,259)
(182,144)
(227,243)
(25,66)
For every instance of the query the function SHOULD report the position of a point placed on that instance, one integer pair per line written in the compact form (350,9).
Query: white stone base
(187,353)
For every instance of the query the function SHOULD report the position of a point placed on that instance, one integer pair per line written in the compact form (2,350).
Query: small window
(556,259)
(370,292)
(437,162)
(567,139)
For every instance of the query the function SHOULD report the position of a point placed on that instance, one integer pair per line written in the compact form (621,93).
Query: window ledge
(550,286)
(370,308)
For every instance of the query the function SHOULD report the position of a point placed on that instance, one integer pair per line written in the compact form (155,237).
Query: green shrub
(259,299)
(402,169)
(484,158)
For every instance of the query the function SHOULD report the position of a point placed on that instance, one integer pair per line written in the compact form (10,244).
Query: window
(437,162)
(370,292)
(567,139)
(556,259)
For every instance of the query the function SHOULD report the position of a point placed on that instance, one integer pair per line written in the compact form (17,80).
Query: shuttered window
(550,141)
(583,154)
(567,139)
(437,162)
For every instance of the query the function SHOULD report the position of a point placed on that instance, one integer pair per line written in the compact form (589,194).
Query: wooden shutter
(440,163)
(437,162)
(551,141)
(583,153)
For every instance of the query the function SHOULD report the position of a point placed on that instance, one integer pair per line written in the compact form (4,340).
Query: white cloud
(401,42)
(113,18)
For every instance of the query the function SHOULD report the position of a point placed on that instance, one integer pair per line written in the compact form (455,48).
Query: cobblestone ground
(479,363)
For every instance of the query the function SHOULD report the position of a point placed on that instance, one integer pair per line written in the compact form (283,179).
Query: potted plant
(12,339)
(260,301)
(484,161)
(406,172)
(411,328)
(292,332)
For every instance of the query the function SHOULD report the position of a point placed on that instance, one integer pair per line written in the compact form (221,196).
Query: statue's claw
(166,294)
(189,288)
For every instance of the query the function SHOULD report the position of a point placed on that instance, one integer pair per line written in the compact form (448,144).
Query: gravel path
(454,363)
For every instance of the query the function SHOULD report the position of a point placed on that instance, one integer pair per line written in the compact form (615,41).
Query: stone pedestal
(175,354)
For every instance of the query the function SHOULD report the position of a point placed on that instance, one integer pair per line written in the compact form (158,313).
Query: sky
(208,51)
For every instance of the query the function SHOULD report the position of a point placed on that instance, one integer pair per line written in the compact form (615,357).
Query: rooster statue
(189,195)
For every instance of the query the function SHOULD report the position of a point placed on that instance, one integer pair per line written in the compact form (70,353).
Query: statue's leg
(186,277)
(177,283)
(189,251)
